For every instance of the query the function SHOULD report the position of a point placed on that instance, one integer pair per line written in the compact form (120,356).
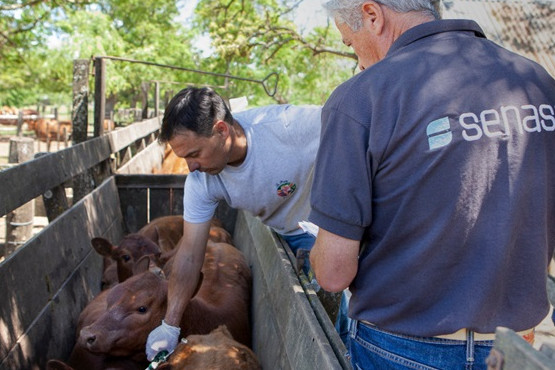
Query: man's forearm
(334,260)
(182,284)
(185,274)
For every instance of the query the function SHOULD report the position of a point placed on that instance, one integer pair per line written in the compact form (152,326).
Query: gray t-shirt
(274,181)
(443,164)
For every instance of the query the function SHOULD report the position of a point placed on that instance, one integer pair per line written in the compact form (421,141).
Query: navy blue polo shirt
(440,159)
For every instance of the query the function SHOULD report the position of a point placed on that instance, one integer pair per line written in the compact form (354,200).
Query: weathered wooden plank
(145,197)
(28,180)
(286,333)
(47,282)
(144,161)
(176,200)
(512,352)
(53,335)
(150,181)
(126,136)
(134,207)
(161,202)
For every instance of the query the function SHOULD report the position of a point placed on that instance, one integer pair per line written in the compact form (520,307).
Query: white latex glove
(164,337)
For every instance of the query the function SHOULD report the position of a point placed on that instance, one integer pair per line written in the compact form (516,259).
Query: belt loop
(469,349)
(353,328)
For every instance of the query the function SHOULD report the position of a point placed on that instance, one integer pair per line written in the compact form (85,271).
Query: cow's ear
(200,278)
(165,366)
(157,258)
(102,247)
(142,265)
(57,365)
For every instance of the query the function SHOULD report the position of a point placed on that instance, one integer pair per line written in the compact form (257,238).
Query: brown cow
(160,235)
(172,164)
(217,350)
(81,358)
(157,239)
(214,351)
(164,231)
(124,256)
(135,307)
(109,125)
(50,129)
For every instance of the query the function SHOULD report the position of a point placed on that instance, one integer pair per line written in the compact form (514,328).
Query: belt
(528,335)
(461,334)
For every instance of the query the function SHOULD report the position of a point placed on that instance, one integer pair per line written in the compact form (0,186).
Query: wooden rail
(103,155)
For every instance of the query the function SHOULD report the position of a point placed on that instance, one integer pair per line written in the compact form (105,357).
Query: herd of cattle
(46,129)
(50,129)
(112,329)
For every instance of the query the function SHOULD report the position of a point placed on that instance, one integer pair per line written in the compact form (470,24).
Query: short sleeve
(341,196)
(198,205)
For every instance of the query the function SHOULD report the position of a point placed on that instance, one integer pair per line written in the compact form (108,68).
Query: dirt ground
(545,332)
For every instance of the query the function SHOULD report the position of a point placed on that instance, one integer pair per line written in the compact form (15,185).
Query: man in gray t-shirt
(442,219)
(260,160)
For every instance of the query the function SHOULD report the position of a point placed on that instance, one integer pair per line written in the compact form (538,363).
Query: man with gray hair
(442,219)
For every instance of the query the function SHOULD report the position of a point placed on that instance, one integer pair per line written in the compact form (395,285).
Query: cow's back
(164,231)
(225,293)
(217,350)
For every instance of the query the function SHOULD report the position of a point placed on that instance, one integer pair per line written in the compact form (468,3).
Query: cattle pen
(49,279)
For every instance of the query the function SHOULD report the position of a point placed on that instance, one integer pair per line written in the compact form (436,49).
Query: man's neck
(402,22)
(238,145)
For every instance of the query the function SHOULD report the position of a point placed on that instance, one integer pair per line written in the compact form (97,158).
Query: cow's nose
(91,339)
(87,338)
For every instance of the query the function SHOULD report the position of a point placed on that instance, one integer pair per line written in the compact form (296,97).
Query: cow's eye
(142,309)
(126,257)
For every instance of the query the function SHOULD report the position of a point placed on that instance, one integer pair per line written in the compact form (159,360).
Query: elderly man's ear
(373,16)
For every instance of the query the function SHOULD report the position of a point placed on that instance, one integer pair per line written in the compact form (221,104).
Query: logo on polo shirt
(286,188)
(505,121)
(439,133)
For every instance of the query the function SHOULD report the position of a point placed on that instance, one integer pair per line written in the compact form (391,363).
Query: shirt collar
(431,28)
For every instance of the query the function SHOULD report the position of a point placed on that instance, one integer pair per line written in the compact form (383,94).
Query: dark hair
(194,109)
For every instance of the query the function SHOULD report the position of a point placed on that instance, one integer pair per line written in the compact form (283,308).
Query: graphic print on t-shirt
(286,188)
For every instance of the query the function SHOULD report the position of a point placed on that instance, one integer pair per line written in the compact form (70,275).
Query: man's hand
(164,337)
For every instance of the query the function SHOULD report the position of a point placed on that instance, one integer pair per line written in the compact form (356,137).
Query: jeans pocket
(366,355)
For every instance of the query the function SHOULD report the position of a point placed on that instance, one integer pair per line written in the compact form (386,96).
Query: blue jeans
(301,241)
(373,348)
(343,322)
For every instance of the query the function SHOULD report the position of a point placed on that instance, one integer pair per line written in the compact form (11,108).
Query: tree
(250,39)
(257,37)
(24,27)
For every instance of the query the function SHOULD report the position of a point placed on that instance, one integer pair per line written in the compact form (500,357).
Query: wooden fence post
(156,98)
(99,95)
(19,123)
(145,86)
(79,118)
(55,199)
(82,184)
(19,222)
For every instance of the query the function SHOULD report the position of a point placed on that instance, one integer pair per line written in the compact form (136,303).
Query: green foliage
(248,39)
(255,38)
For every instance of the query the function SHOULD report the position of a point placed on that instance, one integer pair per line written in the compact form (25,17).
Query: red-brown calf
(217,350)
(51,129)
(160,235)
(135,307)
